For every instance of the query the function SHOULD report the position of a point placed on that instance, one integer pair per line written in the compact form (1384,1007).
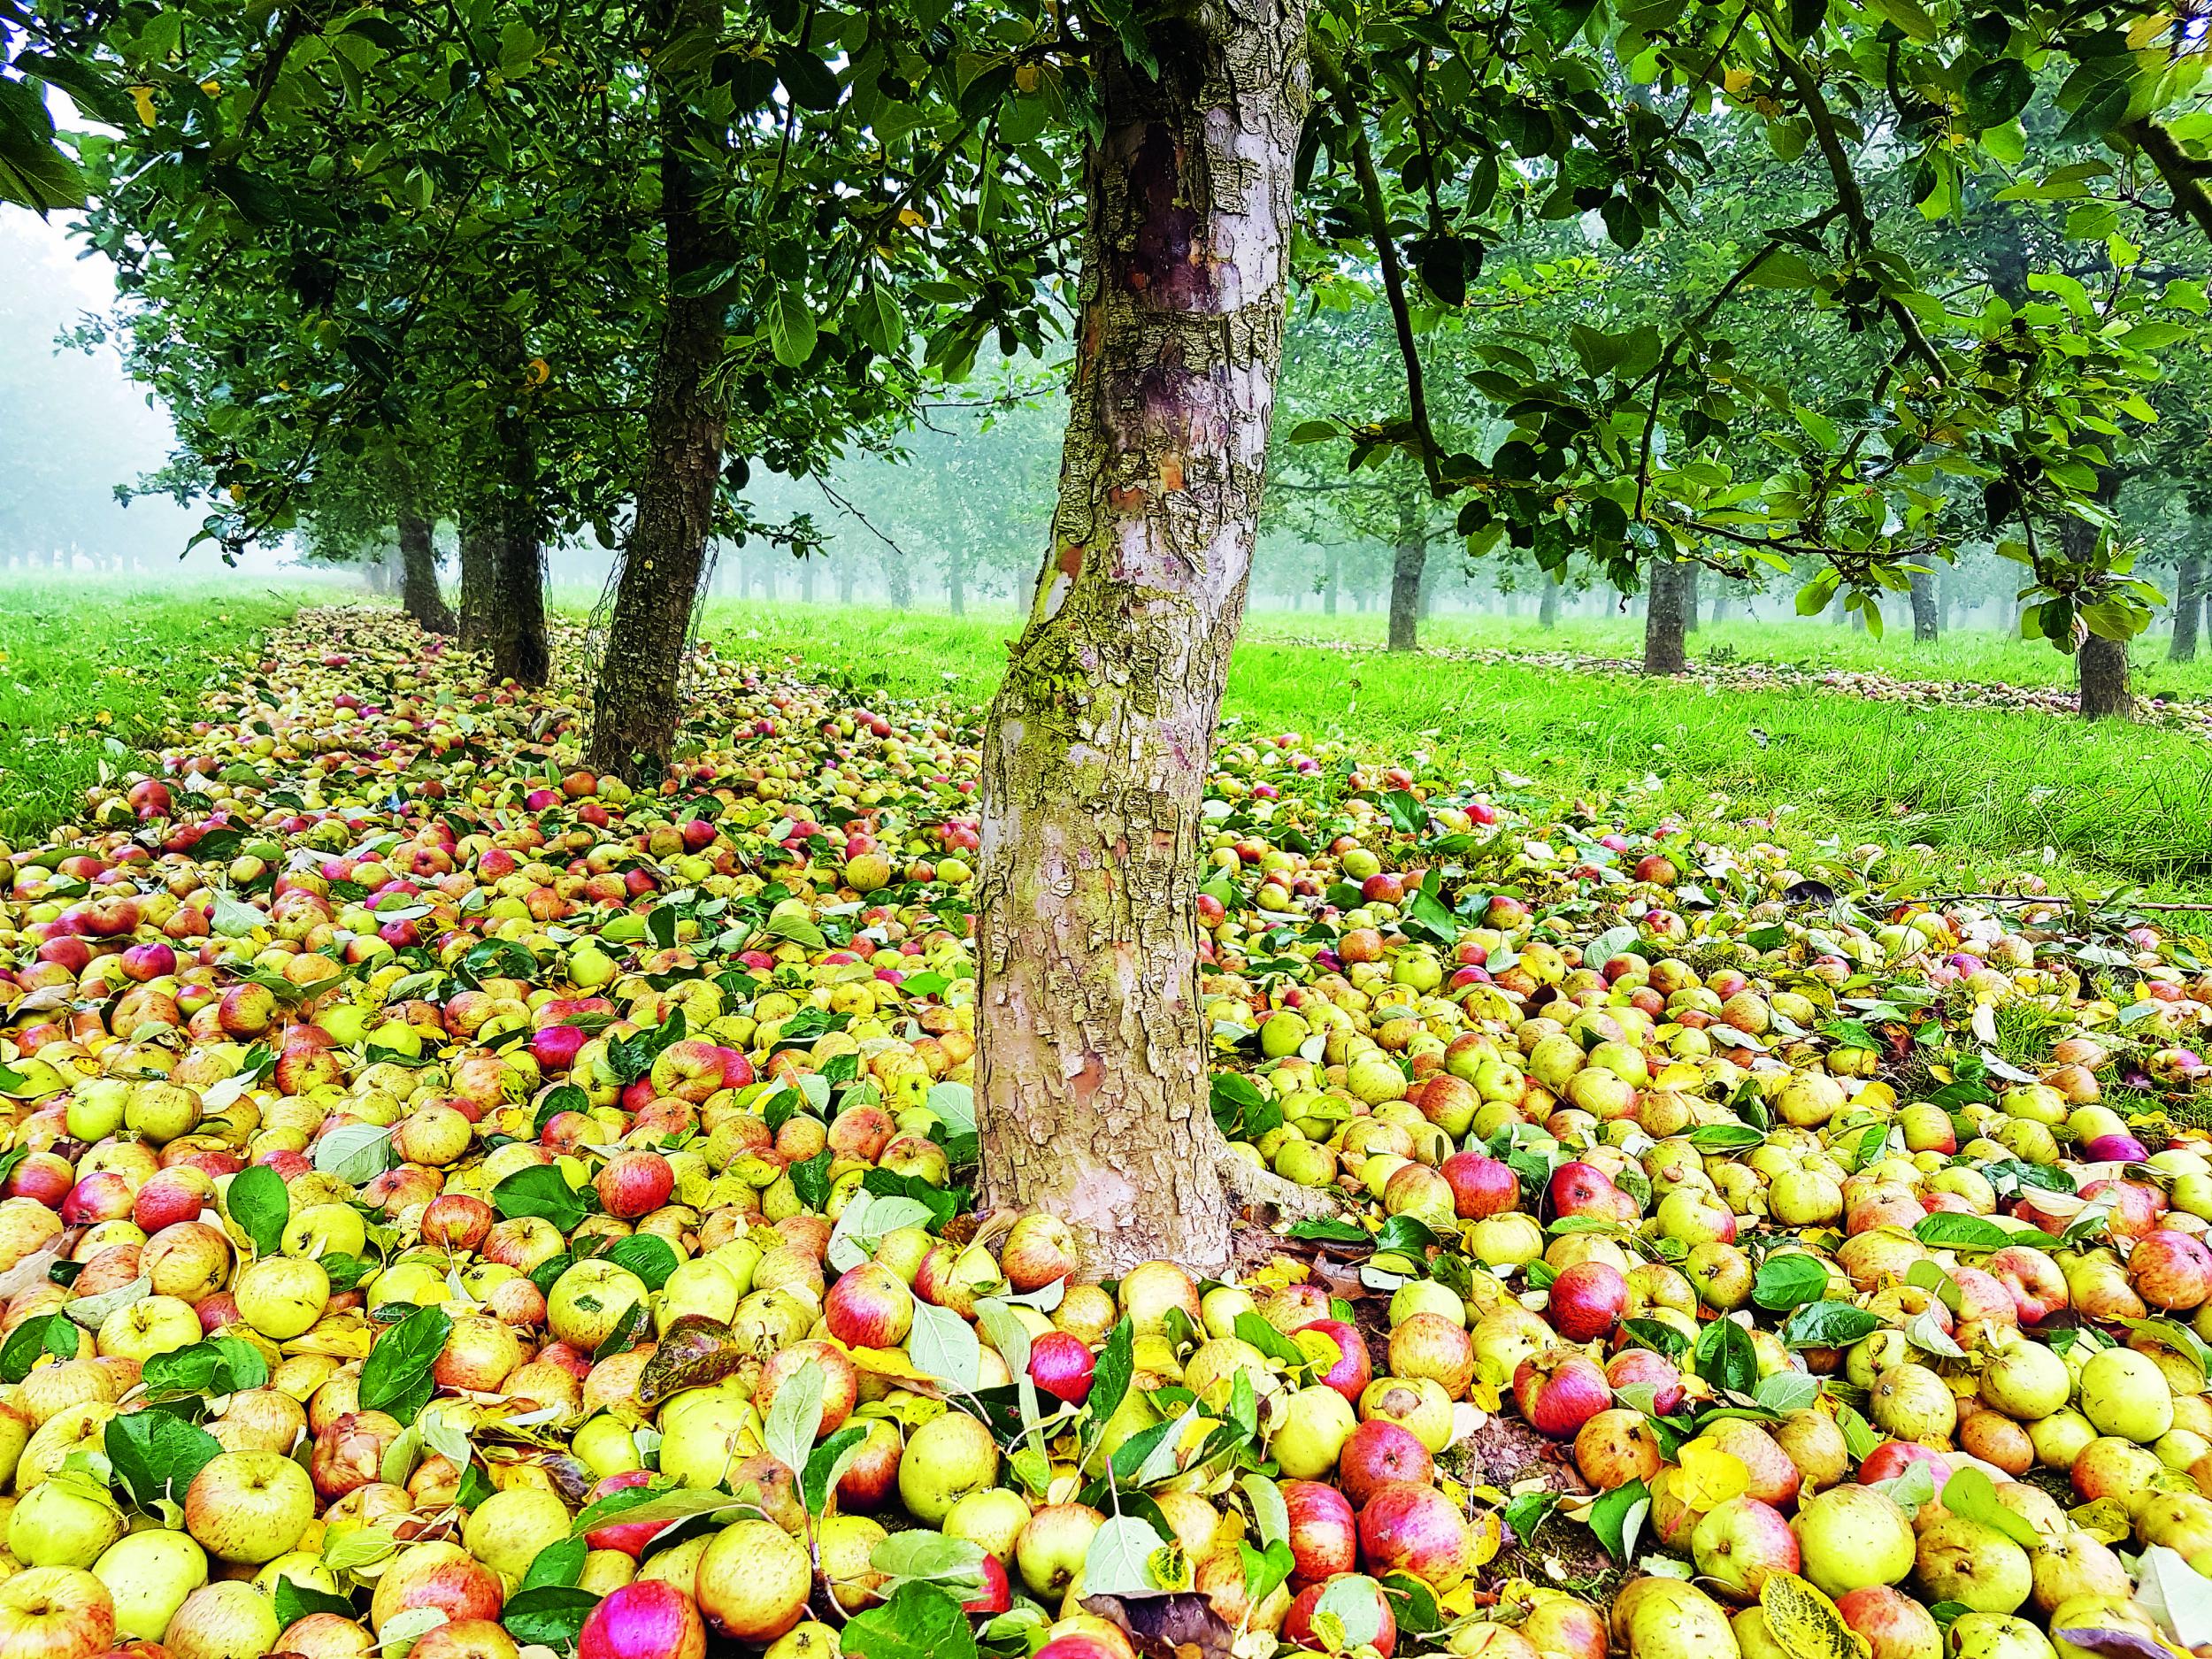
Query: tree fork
(1093,1092)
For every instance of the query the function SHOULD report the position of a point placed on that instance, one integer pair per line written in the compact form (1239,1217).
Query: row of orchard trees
(559,264)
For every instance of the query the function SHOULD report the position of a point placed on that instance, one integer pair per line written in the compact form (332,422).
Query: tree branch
(1386,255)
(2183,177)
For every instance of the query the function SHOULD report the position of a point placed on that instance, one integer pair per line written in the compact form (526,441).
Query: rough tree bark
(2188,607)
(1092,1089)
(519,651)
(2105,692)
(1925,623)
(479,572)
(418,593)
(1665,623)
(635,706)
(1548,599)
(1409,560)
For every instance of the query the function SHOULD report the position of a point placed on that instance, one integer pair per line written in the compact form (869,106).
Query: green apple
(508,1529)
(64,1521)
(1851,1536)
(1317,1422)
(149,1574)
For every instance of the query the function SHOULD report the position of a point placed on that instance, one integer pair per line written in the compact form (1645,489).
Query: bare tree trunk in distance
(2188,607)
(519,651)
(418,593)
(1409,560)
(897,580)
(1331,579)
(635,706)
(479,572)
(956,583)
(1547,599)
(1926,622)
(846,572)
(1665,627)
(1092,1086)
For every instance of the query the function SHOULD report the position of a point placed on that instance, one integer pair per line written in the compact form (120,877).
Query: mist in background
(75,427)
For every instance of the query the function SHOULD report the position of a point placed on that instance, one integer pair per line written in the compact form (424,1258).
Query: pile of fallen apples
(456,1205)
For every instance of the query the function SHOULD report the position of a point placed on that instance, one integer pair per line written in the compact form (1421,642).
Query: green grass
(1989,792)
(94,671)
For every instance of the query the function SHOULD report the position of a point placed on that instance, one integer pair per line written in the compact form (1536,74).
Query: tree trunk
(1687,575)
(1547,599)
(2105,692)
(1925,623)
(846,572)
(519,651)
(2188,583)
(1407,565)
(2102,664)
(1092,1086)
(479,574)
(635,705)
(806,577)
(898,581)
(1666,650)
(418,593)
(956,583)
(1332,578)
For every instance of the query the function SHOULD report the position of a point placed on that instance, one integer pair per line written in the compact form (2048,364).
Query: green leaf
(1618,1517)
(156,1453)
(560,1563)
(810,1180)
(633,1057)
(549,1616)
(880,324)
(651,1257)
(220,1365)
(827,1464)
(33,1338)
(1827,1324)
(920,1621)
(1947,1230)
(542,1190)
(395,1378)
(294,1601)
(811,83)
(1725,1137)
(1996,92)
(791,330)
(1265,1569)
(259,1202)
(1788,1279)
(1725,1357)
(1972,1494)
(1110,1380)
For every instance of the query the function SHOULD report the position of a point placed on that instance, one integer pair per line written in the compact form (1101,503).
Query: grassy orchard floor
(1990,790)
(92,669)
